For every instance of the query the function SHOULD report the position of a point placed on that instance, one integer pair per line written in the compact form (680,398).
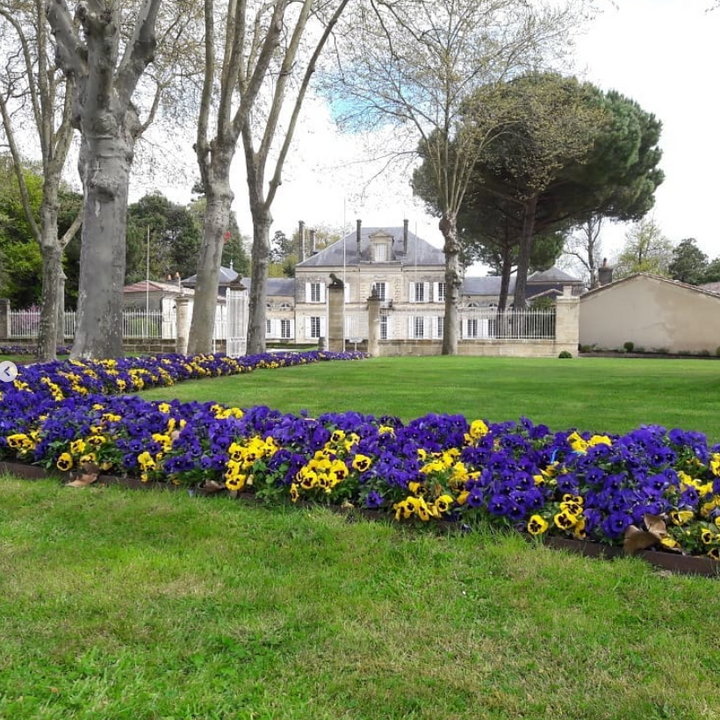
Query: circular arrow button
(8,371)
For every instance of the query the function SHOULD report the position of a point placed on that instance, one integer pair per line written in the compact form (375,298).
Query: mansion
(405,272)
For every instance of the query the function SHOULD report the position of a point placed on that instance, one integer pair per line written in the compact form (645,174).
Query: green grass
(138,605)
(156,606)
(600,394)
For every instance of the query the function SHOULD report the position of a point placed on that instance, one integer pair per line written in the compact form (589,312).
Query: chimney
(358,235)
(405,236)
(313,249)
(605,273)
(301,241)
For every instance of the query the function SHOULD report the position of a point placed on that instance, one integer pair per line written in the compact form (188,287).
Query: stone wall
(487,348)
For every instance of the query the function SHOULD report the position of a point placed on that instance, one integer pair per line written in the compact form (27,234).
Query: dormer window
(381,247)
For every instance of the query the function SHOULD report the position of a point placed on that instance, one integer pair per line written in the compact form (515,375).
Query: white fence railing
(136,324)
(489,324)
(475,324)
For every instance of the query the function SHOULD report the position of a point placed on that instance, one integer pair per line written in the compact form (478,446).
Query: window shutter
(292,329)
(322,292)
(308,292)
(427,287)
(436,292)
(411,292)
(323,323)
(308,328)
(411,327)
(389,327)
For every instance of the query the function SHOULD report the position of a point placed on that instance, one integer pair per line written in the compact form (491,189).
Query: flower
(361,463)
(64,462)
(537,525)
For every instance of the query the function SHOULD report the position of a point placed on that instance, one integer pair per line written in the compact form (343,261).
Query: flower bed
(650,487)
(29,350)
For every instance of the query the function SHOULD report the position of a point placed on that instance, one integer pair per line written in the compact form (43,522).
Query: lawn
(138,605)
(598,394)
(156,605)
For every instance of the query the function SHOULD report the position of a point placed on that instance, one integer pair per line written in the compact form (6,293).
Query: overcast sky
(665,54)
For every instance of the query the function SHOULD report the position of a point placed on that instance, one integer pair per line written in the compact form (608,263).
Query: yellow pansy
(680,517)
(537,525)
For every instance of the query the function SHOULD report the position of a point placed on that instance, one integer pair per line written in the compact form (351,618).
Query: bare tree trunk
(61,308)
(50,299)
(453,283)
(105,162)
(219,199)
(262,220)
(88,50)
(526,239)
(505,274)
(51,252)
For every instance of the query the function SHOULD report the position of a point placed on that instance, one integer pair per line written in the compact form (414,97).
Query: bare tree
(104,83)
(418,65)
(585,247)
(262,52)
(35,94)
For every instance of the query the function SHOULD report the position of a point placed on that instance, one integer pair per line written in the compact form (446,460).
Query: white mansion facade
(407,274)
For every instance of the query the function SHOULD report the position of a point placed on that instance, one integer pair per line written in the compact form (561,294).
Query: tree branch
(71,52)
(276,179)
(72,230)
(140,52)
(17,167)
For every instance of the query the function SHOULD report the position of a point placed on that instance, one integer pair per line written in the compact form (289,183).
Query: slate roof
(153,286)
(275,286)
(552,275)
(545,280)
(227,275)
(489,285)
(344,251)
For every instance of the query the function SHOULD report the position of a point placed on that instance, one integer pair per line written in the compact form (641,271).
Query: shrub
(565,354)
(629,346)
(717,351)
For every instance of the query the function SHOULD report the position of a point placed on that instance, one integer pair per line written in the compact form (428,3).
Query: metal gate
(237,322)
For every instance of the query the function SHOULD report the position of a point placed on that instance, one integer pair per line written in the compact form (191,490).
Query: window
(380,252)
(440,326)
(383,327)
(285,329)
(314,327)
(315,292)
(285,307)
(419,292)
(439,292)
(472,328)
(381,290)
(268,328)
(418,327)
